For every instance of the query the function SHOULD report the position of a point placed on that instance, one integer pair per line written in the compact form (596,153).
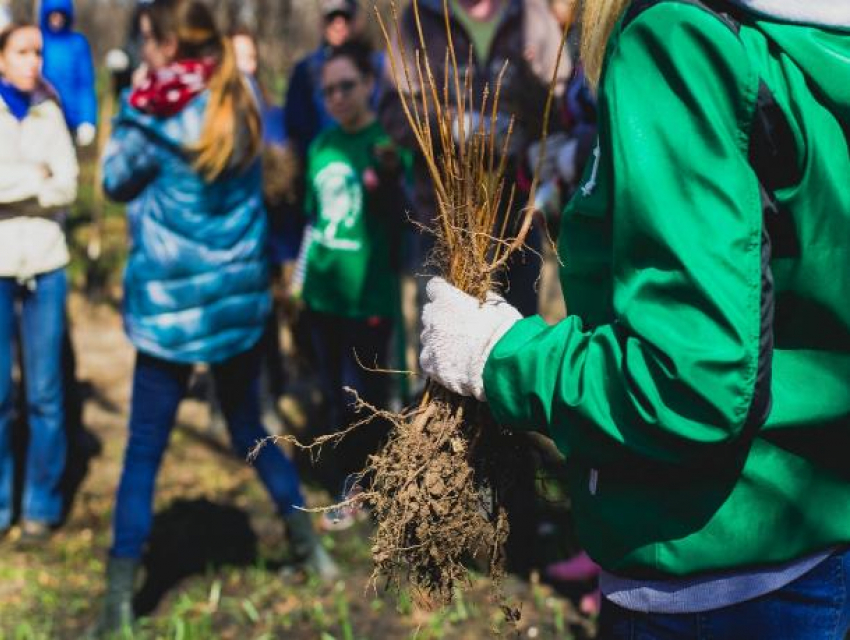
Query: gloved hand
(117,60)
(85,134)
(458,334)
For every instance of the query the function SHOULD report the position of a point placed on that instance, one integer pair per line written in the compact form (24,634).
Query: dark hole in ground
(191,537)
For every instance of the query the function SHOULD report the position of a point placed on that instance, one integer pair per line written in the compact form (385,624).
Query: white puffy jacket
(38,181)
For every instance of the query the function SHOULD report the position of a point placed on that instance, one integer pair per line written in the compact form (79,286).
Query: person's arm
(299,119)
(85,92)
(52,183)
(129,163)
(20,181)
(59,189)
(682,369)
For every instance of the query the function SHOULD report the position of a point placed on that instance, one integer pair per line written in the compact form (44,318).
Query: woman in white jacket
(38,180)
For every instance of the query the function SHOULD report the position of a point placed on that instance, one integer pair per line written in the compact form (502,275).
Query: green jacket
(651,387)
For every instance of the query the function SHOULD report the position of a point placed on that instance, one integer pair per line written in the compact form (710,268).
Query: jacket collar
(826,13)
(42,95)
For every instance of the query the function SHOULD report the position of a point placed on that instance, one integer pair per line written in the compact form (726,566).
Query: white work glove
(85,134)
(458,334)
(117,60)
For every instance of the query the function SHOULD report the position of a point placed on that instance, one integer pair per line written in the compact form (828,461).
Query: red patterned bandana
(166,91)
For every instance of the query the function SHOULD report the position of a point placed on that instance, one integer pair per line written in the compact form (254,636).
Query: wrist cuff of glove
(498,334)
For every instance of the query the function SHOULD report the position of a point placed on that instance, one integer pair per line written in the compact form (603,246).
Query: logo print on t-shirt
(340,200)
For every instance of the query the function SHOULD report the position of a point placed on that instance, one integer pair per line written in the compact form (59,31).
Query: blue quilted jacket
(196,283)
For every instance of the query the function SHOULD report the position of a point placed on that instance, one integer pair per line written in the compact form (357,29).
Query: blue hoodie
(196,287)
(68,66)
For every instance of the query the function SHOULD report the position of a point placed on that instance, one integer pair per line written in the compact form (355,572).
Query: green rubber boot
(307,549)
(117,613)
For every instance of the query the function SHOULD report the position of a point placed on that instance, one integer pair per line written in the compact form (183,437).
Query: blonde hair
(597,22)
(232,108)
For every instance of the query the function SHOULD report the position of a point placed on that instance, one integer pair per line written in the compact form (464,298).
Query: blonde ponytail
(597,22)
(231,113)
(232,131)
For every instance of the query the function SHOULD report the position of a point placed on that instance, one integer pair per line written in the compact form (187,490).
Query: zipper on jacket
(590,186)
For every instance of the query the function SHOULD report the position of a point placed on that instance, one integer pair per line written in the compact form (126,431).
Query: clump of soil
(436,496)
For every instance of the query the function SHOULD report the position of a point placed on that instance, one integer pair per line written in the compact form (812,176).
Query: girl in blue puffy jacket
(185,156)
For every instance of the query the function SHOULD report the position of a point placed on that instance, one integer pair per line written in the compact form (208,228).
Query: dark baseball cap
(345,7)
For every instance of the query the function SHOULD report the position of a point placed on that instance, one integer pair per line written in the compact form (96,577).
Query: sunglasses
(344,87)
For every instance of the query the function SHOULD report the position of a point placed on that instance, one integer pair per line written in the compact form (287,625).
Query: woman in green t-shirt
(351,284)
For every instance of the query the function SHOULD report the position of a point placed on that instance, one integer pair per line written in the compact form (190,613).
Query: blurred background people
(305,117)
(283,195)
(571,144)
(351,284)
(69,70)
(122,62)
(38,181)
(68,67)
(306,112)
(185,155)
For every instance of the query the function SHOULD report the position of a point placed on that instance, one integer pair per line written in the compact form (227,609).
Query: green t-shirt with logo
(349,270)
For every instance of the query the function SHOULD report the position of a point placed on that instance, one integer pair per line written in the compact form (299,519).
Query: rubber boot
(579,568)
(117,613)
(307,549)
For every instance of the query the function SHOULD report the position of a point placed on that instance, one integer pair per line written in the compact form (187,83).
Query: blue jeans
(158,388)
(816,606)
(42,325)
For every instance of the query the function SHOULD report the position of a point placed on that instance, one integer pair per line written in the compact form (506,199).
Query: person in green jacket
(699,386)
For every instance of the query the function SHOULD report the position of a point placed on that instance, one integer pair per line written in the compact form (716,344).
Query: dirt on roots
(436,494)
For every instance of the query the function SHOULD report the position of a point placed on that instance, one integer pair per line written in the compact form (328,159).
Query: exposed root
(436,496)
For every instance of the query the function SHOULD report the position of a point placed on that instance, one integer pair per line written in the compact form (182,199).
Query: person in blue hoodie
(184,154)
(68,67)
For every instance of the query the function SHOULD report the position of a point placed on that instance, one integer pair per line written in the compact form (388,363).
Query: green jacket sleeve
(671,375)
